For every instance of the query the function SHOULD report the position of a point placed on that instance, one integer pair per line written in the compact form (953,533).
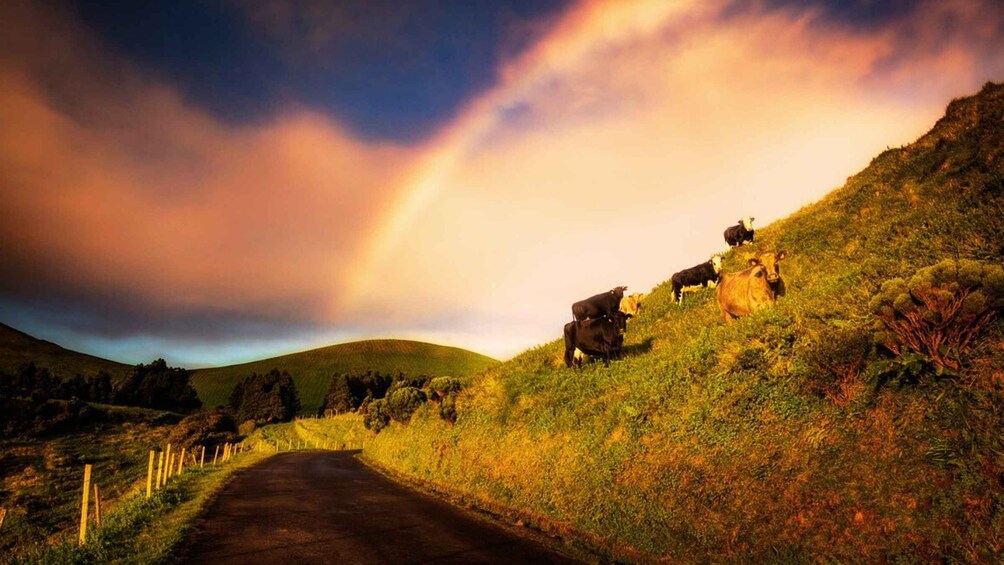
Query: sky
(220,181)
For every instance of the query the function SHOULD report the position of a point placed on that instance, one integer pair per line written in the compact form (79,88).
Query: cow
(698,276)
(747,291)
(601,337)
(631,305)
(599,305)
(741,233)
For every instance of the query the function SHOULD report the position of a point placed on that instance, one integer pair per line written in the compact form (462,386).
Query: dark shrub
(158,386)
(212,427)
(441,387)
(376,417)
(403,402)
(266,399)
(448,408)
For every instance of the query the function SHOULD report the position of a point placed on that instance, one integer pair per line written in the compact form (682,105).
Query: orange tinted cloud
(119,193)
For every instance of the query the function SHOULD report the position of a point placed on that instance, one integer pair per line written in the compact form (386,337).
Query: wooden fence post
(216,454)
(202,459)
(149,476)
(3,516)
(83,504)
(97,506)
(167,459)
(181,460)
(160,470)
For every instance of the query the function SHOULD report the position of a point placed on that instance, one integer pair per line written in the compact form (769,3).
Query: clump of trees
(405,396)
(348,393)
(29,381)
(158,386)
(265,399)
(932,317)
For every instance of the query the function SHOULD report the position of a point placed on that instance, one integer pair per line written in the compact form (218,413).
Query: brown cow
(747,291)
(631,305)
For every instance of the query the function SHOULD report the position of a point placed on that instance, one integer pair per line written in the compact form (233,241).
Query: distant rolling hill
(18,348)
(312,370)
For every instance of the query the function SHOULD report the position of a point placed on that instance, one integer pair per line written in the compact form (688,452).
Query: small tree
(266,399)
(158,386)
(403,402)
(376,417)
(340,397)
(441,387)
(939,310)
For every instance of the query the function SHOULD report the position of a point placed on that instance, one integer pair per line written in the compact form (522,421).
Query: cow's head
(618,291)
(716,263)
(769,261)
(747,222)
(619,320)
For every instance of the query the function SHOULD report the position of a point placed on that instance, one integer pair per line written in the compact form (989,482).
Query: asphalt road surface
(327,507)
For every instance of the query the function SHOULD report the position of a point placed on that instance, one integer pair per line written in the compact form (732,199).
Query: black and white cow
(603,337)
(741,233)
(696,277)
(599,305)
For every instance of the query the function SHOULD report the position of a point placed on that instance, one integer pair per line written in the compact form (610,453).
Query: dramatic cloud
(128,212)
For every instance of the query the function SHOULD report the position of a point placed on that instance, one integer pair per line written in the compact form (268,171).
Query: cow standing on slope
(757,287)
(600,305)
(698,276)
(740,234)
(602,337)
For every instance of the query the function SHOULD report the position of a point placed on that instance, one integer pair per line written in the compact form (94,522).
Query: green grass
(140,530)
(42,477)
(18,348)
(763,440)
(312,370)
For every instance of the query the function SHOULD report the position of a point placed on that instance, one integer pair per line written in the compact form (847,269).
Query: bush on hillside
(403,402)
(348,392)
(939,310)
(208,428)
(441,387)
(835,361)
(377,417)
(266,399)
(158,386)
(448,408)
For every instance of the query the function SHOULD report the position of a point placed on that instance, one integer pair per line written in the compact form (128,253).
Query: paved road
(327,507)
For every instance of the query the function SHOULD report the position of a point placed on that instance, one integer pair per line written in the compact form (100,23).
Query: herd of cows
(600,321)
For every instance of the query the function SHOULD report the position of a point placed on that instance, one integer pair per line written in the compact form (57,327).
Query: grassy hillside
(40,478)
(765,440)
(312,370)
(17,348)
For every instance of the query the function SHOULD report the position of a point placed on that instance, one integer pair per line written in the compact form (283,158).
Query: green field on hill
(767,440)
(312,370)
(18,348)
